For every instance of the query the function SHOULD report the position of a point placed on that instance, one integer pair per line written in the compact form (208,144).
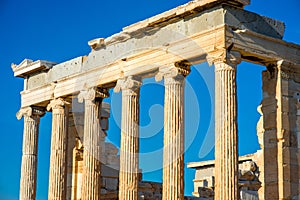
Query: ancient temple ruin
(220,32)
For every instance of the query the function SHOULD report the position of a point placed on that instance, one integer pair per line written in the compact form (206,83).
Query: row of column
(173,163)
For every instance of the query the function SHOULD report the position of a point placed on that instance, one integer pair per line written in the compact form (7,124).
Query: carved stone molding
(286,76)
(57,103)
(288,70)
(178,70)
(284,70)
(230,58)
(92,93)
(288,66)
(30,111)
(130,82)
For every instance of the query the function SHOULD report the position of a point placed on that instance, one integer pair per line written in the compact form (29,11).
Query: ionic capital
(130,82)
(57,104)
(30,111)
(230,58)
(177,70)
(92,93)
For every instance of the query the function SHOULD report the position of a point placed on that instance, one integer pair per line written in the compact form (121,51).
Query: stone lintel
(210,163)
(27,67)
(261,49)
(245,20)
(124,49)
(128,55)
(254,47)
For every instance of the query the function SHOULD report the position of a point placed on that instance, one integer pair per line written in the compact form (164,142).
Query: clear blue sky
(59,30)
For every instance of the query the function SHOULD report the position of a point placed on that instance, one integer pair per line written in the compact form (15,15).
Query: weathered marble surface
(219,32)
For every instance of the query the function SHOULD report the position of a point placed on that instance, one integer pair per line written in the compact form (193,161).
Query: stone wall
(280,132)
(248,181)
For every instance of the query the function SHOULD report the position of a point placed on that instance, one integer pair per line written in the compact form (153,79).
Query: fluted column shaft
(91,154)
(29,152)
(173,180)
(129,153)
(91,180)
(226,149)
(173,161)
(58,154)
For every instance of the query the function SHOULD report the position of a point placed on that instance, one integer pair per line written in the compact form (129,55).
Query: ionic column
(29,152)
(58,158)
(92,143)
(226,138)
(129,153)
(173,161)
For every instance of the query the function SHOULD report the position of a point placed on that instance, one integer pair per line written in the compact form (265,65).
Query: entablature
(28,67)
(143,48)
(261,49)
